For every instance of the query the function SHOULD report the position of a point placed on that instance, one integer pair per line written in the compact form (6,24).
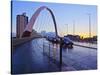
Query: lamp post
(67,28)
(74,27)
(89,25)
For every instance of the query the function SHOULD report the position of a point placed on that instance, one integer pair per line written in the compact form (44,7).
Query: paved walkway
(30,58)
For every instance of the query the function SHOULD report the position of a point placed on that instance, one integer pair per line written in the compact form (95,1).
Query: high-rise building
(21,22)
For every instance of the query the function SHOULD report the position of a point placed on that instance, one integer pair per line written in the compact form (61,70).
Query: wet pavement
(39,56)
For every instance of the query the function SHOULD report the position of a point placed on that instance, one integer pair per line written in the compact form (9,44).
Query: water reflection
(40,55)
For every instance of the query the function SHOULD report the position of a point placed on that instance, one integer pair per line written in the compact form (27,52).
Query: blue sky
(64,14)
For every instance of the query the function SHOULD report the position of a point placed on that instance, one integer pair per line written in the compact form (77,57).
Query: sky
(64,14)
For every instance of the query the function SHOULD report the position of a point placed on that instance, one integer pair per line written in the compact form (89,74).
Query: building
(73,37)
(21,22)
(43,33)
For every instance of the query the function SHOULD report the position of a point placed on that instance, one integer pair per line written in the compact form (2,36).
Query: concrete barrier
(85,46)
(19,41)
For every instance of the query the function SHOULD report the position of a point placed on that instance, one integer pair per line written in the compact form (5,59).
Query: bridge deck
(29,58)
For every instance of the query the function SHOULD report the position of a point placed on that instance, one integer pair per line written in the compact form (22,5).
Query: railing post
(60,53)
(43,46)
(49,49)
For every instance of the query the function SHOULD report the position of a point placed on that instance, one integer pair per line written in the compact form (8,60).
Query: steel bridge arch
(28,29)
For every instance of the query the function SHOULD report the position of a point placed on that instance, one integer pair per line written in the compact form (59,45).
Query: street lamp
(89,25)
(67,28)
(73,27)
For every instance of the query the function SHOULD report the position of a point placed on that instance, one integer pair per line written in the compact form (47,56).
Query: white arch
(33,19)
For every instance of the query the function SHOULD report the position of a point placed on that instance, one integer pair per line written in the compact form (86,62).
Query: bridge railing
(19,41)
(51,51)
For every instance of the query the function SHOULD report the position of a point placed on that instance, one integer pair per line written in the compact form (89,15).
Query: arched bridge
(28,29)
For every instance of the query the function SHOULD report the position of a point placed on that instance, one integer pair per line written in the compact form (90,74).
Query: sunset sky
(64,14)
